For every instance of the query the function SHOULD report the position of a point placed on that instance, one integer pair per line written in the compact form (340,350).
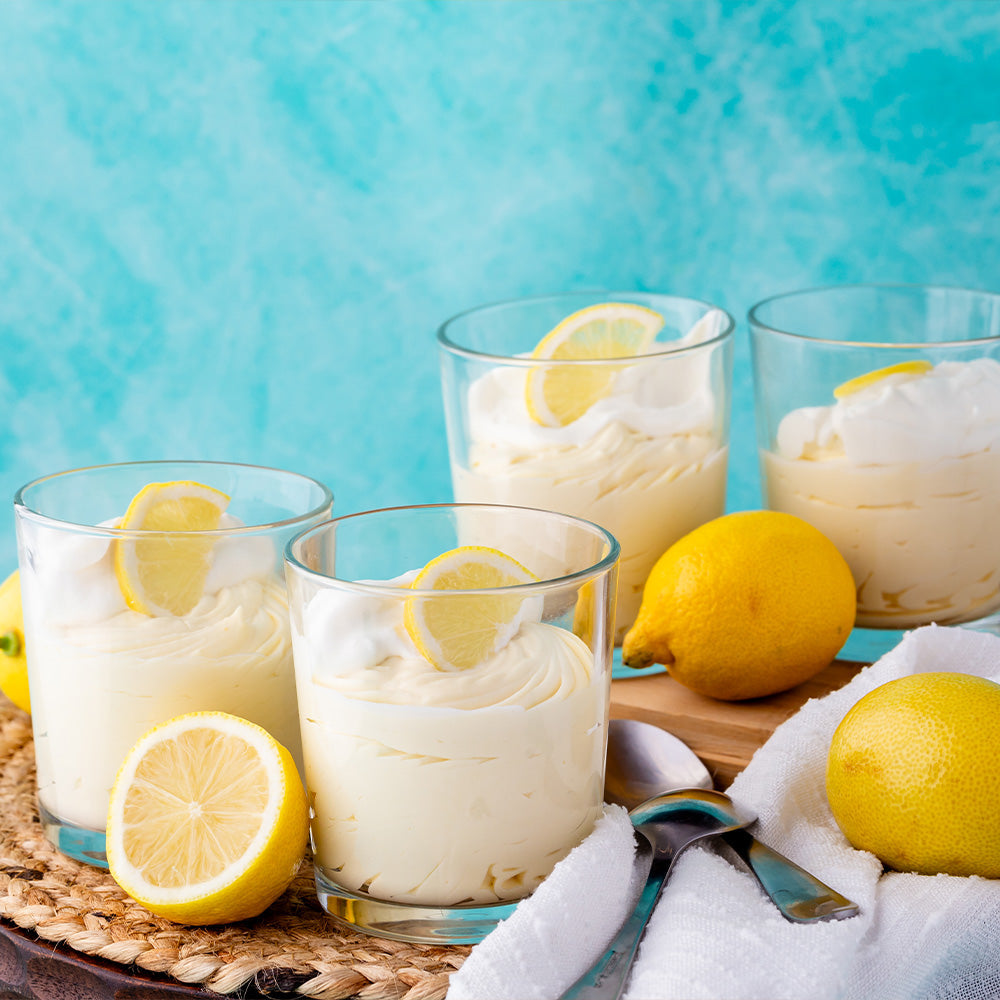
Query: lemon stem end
(11,643)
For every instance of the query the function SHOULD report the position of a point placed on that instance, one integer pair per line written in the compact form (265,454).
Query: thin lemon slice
(208,820)
(557,395)
(854,385)
(456,632)
(164,572)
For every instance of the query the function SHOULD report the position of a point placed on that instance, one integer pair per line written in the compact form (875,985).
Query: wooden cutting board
(723,734)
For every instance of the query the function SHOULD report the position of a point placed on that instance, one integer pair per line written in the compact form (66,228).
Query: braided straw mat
(292,949)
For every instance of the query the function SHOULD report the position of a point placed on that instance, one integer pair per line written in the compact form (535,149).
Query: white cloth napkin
(714,935)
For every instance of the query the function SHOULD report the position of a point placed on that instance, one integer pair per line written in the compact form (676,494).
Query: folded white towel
(714,934)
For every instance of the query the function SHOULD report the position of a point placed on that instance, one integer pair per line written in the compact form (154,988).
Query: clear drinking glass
(878,420)
(442,795)
(647,460)
(100,673)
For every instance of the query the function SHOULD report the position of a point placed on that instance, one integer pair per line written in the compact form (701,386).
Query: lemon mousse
(902,473)
(446,764)
(185,613)
(628,438)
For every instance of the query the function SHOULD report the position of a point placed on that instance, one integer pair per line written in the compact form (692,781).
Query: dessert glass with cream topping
(129,623)
(453,669)
(878,417)
(612,407)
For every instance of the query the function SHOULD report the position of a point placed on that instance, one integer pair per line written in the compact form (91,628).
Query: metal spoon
(644,759)
(669,822)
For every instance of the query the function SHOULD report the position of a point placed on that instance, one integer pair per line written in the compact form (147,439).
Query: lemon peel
(13,661)
(911,774)
(746,605)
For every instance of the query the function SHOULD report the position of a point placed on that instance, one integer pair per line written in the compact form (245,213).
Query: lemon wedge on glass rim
(208,820)
(164,571)
(556,395)
(458,632)
(854,385)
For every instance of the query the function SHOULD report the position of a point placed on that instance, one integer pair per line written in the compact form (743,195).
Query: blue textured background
(230,229)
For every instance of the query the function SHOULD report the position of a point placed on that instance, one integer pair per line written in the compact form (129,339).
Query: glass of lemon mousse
(608,406)
(453,668)
(878,420)
(151,589)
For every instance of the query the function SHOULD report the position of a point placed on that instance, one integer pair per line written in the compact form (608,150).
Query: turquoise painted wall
(230,229)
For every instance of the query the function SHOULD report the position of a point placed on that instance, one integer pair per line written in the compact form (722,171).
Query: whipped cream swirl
(950,411)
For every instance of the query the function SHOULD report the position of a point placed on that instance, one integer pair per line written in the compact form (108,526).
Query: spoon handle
(605,980)
(798,895)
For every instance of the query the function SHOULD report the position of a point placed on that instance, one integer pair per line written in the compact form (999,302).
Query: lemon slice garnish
(208,820)
(164,572)
(557,395)
(854,385)
(457,632)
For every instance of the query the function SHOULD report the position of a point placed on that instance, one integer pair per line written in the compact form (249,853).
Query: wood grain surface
(724,734)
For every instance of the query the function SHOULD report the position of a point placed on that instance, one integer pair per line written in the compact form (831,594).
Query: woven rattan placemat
(292,948)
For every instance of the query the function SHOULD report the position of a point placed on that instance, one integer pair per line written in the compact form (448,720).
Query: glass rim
(757,325)
(25,509)
(380,588)
(453,347)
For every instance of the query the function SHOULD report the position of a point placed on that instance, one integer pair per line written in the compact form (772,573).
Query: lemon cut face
(556,395)
(851,386)
(208,820)
(458,632)
(163,573)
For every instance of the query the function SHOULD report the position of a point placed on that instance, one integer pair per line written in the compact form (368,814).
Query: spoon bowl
(642,756)
(644,760)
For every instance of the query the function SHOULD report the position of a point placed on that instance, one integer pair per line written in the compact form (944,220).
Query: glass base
(866,645)
(77,842)
(445,925)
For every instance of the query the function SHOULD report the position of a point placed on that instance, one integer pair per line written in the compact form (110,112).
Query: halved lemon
(456,632)
(208,820)
(854,385)
(557,395)
(163,573)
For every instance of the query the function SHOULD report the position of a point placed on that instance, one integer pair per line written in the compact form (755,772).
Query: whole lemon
(13,664)
(913,774)
(746,605)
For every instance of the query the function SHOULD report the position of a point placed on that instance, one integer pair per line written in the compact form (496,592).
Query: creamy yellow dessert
(103,674)
(444,787)
(903,475)
(647,460)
